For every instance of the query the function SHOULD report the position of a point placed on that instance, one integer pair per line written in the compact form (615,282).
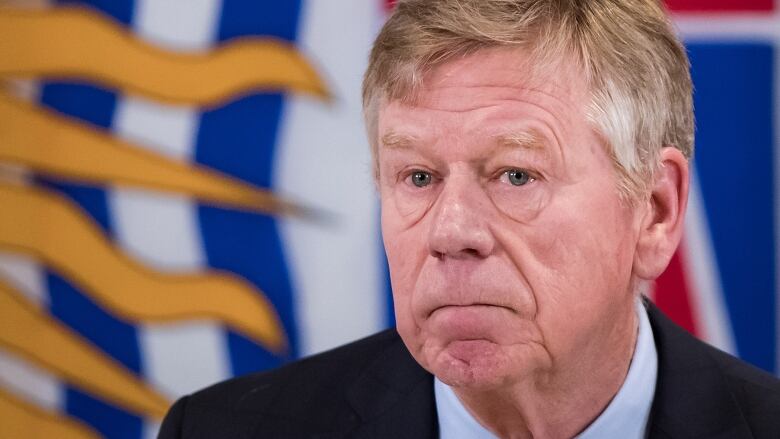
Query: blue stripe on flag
(388,291)
(240,139)
(114,337)
(95,106)
(82,101)
(121,10)
(277,19)
(734,161)
(110,421)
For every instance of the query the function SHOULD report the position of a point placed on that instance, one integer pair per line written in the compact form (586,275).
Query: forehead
(497,88)
(506,67)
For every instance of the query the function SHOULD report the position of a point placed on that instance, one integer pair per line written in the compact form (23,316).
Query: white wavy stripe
(731,26)
(162,230)
(323,160)
(26,275)
(30,383)
(705,287)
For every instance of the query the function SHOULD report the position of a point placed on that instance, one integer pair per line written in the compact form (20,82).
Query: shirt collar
(626,415)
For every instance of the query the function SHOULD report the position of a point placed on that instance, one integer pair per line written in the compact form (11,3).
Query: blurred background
(186,195)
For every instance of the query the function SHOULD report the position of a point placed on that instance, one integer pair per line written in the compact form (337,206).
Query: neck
(565,399)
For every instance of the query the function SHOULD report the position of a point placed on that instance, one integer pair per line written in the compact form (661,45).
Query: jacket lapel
(692,399)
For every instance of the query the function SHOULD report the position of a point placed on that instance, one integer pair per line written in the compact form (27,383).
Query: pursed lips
(469,305)
(474,321)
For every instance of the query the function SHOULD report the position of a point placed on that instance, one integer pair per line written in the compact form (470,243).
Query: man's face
(510,250)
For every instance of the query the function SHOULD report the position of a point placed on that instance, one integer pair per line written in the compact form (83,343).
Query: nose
(460,227)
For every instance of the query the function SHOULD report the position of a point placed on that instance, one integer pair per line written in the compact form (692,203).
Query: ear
(662,223)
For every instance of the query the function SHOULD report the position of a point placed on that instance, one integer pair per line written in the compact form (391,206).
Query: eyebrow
(531,140)
(394,140)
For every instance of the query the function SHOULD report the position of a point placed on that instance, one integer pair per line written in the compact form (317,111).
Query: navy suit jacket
(373,388)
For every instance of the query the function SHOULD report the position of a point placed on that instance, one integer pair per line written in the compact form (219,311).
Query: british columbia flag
(186,196)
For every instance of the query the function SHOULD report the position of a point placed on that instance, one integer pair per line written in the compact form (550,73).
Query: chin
(473,364)
(472,377)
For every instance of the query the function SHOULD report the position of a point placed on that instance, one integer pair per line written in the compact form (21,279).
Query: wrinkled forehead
(498,65)
(495,77)
(487,71)
(507,67)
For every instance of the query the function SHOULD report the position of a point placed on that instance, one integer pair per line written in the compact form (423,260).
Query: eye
(518,177)
(421,178)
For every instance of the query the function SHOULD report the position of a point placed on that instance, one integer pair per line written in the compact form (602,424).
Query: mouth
(475,306)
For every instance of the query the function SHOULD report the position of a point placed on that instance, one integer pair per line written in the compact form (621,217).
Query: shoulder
(316,375)
(307,394)
(702,391)
(756,392)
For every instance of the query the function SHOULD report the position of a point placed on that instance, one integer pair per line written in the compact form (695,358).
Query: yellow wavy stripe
(54,145)
(53,229)
(57,348)
(23,420)
(76,43)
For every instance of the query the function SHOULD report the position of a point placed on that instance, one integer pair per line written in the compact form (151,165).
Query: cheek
(521,204)
(579,250)
(579,272)
(410,205)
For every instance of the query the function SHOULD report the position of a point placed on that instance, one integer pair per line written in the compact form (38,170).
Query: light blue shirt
(625,417)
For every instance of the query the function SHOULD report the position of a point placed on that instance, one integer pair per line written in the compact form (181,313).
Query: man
(532,162)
